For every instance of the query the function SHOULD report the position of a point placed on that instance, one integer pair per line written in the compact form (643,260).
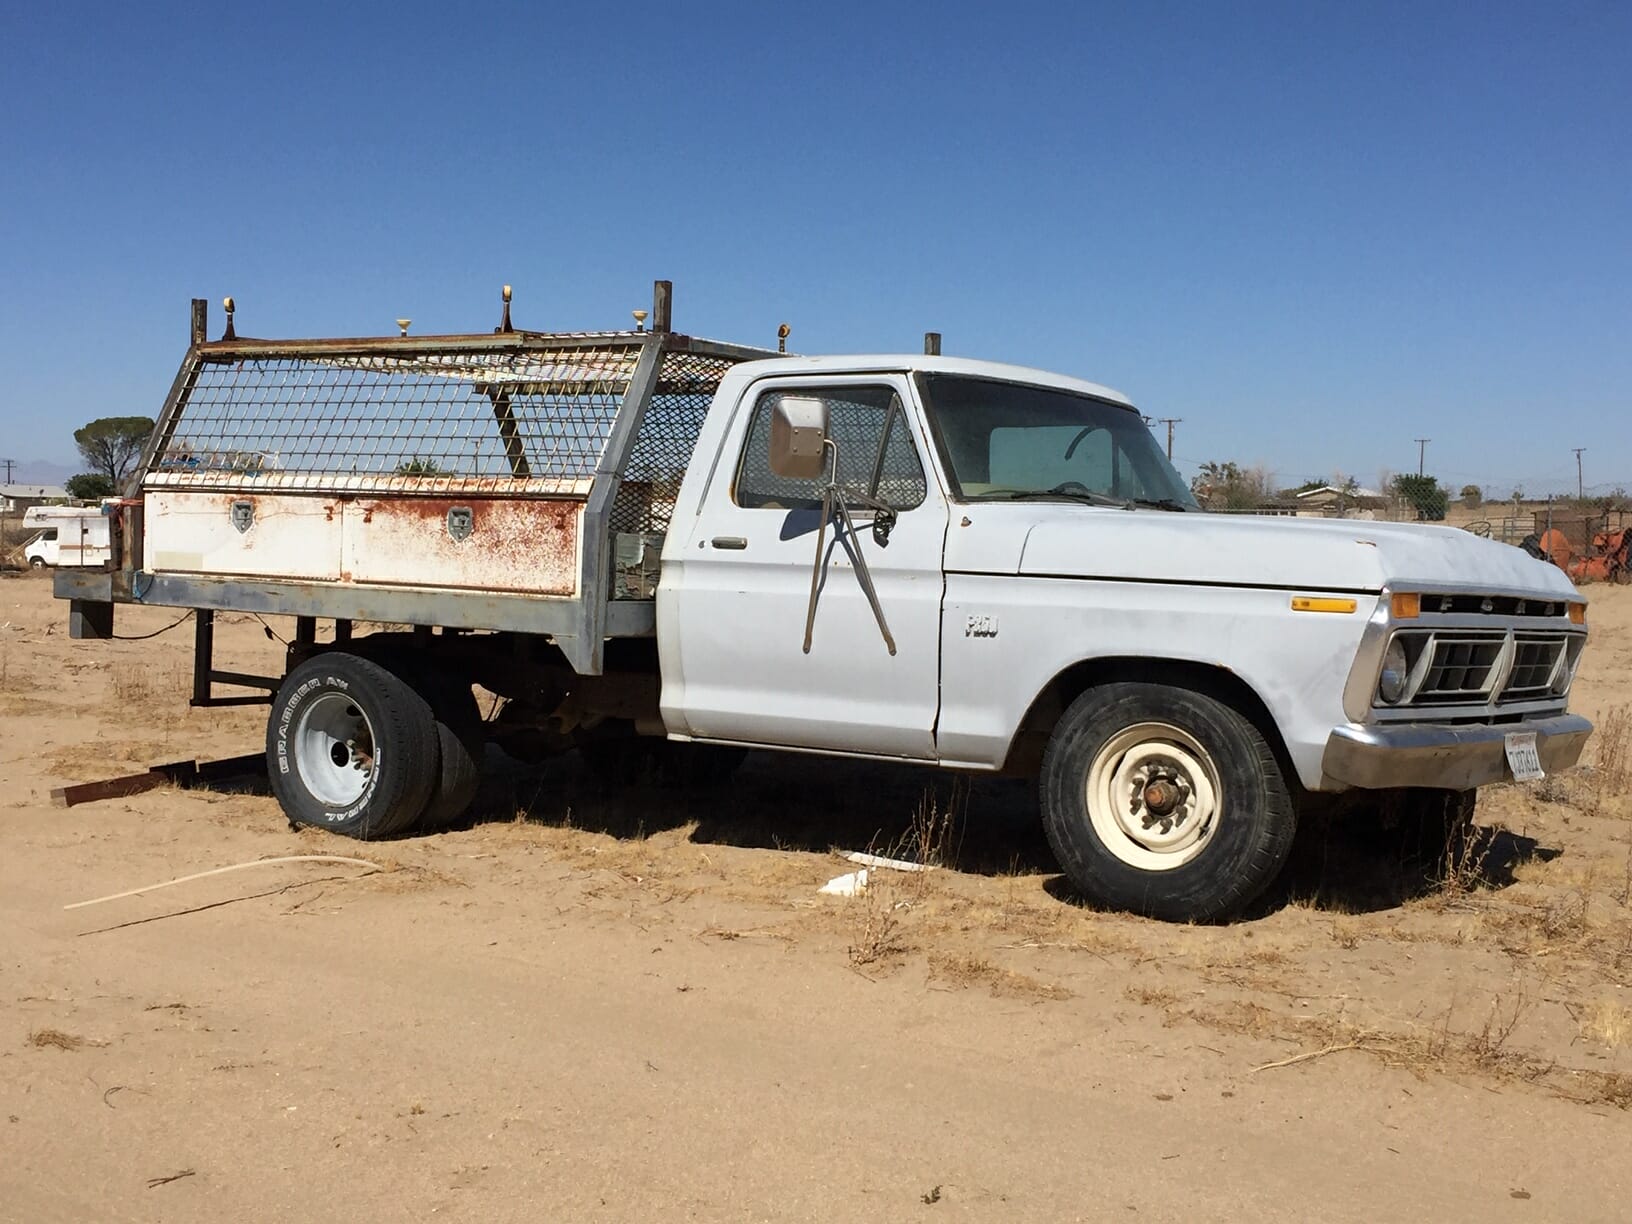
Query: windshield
(1005,441)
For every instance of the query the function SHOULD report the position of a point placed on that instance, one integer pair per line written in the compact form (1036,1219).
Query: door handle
(732,542)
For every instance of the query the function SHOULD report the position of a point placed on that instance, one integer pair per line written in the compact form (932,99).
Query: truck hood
(1046,539)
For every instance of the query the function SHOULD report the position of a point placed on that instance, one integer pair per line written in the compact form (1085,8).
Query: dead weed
(966,971)
(54,1039)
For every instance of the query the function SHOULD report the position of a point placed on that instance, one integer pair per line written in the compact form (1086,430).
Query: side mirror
(798,431)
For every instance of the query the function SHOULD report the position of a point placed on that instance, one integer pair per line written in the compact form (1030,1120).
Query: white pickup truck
(914,558)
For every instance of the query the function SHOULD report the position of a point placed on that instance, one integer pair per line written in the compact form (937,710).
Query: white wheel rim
(1154,796)
(334,750)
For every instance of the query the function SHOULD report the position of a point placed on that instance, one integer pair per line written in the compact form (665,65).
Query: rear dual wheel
(361,751)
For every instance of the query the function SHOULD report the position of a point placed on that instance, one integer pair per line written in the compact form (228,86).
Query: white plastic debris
(878,860)
(846,885)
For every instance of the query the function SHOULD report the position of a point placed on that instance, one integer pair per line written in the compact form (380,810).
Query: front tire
(1164,802)
(350,747)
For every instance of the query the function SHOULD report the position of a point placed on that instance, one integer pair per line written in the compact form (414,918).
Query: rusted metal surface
(178,773)
(483,544)
(479,543)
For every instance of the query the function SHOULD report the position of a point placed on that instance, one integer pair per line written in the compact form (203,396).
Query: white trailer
(68,536)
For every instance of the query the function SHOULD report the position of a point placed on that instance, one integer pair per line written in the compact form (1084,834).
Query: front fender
(1005,638)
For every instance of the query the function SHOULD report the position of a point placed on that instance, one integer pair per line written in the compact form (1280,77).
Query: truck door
(736,593)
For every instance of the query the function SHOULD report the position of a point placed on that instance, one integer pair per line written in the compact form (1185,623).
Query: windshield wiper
(1086,498)
(1160,503)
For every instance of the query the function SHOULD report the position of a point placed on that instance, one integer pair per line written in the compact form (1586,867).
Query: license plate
(1522,757)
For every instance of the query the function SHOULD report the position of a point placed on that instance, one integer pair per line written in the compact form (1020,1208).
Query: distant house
(15,498)
(1332,502)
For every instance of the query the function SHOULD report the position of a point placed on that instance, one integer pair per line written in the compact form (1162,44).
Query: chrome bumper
(1377,757)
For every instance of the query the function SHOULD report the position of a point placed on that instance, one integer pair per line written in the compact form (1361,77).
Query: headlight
(1391,684)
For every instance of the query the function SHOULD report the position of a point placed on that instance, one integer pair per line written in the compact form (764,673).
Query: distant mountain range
(40,471)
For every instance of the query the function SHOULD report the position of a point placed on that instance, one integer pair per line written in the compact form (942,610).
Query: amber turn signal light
(1406,605)
(1578,614)
(1312,603)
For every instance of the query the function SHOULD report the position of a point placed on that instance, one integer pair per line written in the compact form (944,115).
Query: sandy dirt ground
(585,1005)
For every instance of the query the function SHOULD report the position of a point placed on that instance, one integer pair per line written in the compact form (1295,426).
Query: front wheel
(1164,802)
(36,562)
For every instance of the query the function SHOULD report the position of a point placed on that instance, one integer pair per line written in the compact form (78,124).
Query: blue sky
(1313,231)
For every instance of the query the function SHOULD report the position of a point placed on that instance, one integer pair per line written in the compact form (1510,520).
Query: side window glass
(874,442)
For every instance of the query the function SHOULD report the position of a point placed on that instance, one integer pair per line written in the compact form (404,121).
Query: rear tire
(462,739)
(1164,802)
(350,747)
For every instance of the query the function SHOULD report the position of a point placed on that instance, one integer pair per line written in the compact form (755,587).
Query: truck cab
(1026,585)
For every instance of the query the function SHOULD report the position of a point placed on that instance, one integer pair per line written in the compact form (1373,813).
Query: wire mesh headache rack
(520,414)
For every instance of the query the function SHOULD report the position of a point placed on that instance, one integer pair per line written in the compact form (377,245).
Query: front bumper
(1375,757)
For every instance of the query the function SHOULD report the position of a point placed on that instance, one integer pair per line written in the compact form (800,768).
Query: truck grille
(1535,657)
(1459,669)
(1479,667)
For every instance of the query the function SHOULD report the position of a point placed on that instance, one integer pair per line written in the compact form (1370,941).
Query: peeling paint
(512,545)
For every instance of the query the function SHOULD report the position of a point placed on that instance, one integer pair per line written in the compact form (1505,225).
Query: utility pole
(8,463)
(1422,452)
(1170,422)
(1580,489)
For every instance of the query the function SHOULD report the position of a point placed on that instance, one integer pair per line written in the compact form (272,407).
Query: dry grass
(934,836)
(966,971)
(131,683)
(1151,996)
(876,917)
(15,675)
(1611,774)
(1609,1024)
(54,1039)
(873,917)
(1444,1047)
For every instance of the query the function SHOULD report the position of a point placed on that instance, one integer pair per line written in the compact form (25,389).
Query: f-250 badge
(980,626)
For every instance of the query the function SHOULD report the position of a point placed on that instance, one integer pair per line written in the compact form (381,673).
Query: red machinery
(1608,559)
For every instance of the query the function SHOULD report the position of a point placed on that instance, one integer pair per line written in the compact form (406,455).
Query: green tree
(111,445)
(1422,494)
(418,467)
(89,486)
(1229,486)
